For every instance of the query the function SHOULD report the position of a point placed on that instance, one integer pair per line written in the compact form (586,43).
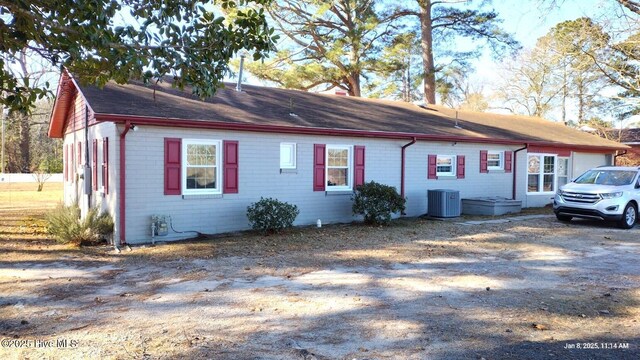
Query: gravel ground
(419,289)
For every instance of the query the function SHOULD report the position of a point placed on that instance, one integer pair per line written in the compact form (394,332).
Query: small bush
(377,202)
(65,225)
(271,215)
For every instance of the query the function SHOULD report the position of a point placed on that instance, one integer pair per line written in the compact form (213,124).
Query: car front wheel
(629,217)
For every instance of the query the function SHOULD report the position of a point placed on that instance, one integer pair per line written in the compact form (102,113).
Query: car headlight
(612,195)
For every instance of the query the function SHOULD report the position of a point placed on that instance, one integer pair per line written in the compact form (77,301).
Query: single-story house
(139,150)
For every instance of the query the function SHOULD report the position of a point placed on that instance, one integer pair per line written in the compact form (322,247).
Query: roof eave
(202,124)
(64,95)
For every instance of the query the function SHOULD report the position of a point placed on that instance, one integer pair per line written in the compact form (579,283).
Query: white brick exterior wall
(74,189)
(259,175)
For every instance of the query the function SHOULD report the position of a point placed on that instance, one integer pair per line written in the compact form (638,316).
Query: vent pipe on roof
(239,85)
(456,125)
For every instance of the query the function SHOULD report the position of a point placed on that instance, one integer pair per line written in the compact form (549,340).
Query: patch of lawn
(22,211)
(25,195)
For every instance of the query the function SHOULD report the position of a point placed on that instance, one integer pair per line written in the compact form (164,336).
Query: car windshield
(606,177)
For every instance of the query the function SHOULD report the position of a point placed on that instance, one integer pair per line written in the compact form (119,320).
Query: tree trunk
(407,93)
(25,143)
(565,93)
(24,119)
(354,84)
(581,103)
(427,52)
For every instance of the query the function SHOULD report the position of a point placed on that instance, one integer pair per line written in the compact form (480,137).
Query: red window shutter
(358,165)
(65,160)
(483,161)
(172,165)
(105,164)
(94,164)
(508,160)
(79,153)
(318,167)
(460,166)
(230,172)
(432,167)
(72,168)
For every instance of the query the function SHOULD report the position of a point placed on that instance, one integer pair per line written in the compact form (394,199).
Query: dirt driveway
(529,289)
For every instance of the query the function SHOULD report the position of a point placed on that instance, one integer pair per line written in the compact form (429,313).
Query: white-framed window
(563,171)
(287,155)
(201,171)
(339,169)
(446,165)
(495,160)
(541,173)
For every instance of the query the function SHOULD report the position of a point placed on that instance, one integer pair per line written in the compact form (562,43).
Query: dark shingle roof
(273,106)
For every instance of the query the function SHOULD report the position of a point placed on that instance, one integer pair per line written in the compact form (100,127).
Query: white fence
(27,178)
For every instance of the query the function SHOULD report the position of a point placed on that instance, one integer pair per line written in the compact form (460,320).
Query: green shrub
(271,215)
(65,225)
(377,202)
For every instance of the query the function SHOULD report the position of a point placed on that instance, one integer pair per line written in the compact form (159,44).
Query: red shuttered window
(94,165)
(318,167)
(79,153)
(460,166)
(172,166)
(484,168)
(72,168)
(432,161)
(358,165)
(508,161)
(230,171)
(105,165)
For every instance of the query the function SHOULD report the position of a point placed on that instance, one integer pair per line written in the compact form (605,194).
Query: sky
(528,20)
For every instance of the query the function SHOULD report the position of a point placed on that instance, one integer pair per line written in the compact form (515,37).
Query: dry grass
(22,210)
(414,290)
(24,196)
(23,229)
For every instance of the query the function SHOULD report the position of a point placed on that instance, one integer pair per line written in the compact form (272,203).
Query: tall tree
(400,69)
(456,91)
(101,40)
(27,146)
(27,69)
(619,59)
(569,43)
(529,85)
(333,43)
(441,22)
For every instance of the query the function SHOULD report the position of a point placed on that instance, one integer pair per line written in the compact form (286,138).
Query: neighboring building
(630,137)
(155,150)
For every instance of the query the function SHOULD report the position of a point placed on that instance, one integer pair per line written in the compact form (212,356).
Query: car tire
(564,218)
(629,217)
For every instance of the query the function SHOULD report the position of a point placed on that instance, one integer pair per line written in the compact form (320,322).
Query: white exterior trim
(541,156)
(218,165)
(501,155)
(453,166)
(291,146)
(349,148)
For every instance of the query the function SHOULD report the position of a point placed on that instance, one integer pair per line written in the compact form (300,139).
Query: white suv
(609,193)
